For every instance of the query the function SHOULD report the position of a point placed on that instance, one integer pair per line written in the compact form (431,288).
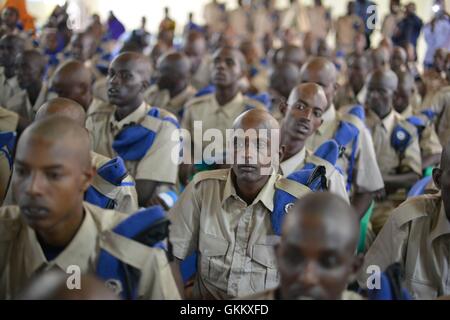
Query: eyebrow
(49,167)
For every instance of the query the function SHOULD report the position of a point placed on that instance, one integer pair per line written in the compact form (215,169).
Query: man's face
(9,49)
(9,17)
(402,98)
(125,83)
(50,41)
(27,71)
(397,60)
(195,49)
(48,181)
(167,77)
(304,114)
(357,73)
(226,68)
(252,155)
(379,97)
(394,6)
(315,261)
(83,47)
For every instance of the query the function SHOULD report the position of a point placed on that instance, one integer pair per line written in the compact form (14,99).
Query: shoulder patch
(415,208)
(221,174)
(198,100)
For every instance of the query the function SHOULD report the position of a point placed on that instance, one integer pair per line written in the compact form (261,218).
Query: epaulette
(424,205)
(220,174)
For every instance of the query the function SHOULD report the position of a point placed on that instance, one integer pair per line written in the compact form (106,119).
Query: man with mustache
(316,255)
(145,137)
(302,117)
(226,216)
(51,227)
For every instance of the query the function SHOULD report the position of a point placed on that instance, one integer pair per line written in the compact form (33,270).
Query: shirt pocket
(422,290)
(212,257)
(264,272)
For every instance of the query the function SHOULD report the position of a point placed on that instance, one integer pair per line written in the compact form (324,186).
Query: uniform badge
(288,207)
(401,135)
(114,285)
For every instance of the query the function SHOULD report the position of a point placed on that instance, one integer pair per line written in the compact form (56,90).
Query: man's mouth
(303,128)
(247,168)
(113,92)
(34,212)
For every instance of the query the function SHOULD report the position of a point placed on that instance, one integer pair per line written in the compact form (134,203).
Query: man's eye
(54,175)
(20,171)
(317,114)
(329,262)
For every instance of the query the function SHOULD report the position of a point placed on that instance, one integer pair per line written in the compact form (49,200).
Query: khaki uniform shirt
(161,99)
(367,177)
(20,103)
(336,181)
(346,32)
(389,160)
(157,164)
(8,122)
(235,240)
(125,197)
(417,235)
(345,97)
(213,116)
(8,87)
(439,105)
(321,22)
(214,17)
(390,24)
(21,256)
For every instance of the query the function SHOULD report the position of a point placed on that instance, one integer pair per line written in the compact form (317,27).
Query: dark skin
(30,69)
(228,68)
(323,72)
(195,48)
(52,172)
(380,95)
(447,67)
(128,79)
(357,73)
(302,117)
(283,79)
(292,54)
(10,47)
(316,255)
(63,107)
(10,17)
(380,58)
(173,73)
(83,46)
(441,178)
(399,60)
(72,80)
(246,172)
(439,60)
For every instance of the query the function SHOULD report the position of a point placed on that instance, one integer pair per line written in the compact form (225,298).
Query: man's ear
(85,88)
(437,175)
(145,85)
(88,177)
(283,107)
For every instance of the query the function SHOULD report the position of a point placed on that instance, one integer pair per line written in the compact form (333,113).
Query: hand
(157,201)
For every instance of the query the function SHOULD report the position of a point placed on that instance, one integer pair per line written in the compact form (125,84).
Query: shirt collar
(328,118)
(265,195)
(135,117)
(296,161)
(230,107)
(442,226)
(389,121)
(408,112)
(79,249)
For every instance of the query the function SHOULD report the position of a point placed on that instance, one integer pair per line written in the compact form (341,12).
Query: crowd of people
(125,156)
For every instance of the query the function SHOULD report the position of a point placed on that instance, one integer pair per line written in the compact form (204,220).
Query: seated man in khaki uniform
(226,216)
(365,175)
(30,70)
(123,196)
(417,235)
(8,123)
(10,47)
(172,89)
(396,144)
(145,137)
(316,255)
(430,146)
(302,117)
(53,228)
(217,110)
(357,71)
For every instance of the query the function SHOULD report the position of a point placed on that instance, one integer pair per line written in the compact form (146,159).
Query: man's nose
(309,276)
